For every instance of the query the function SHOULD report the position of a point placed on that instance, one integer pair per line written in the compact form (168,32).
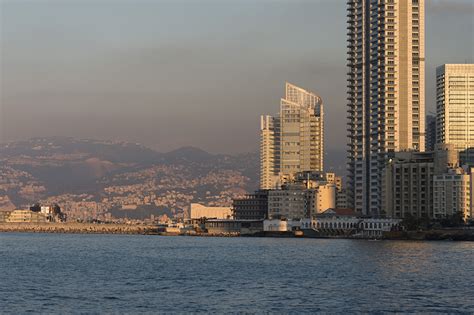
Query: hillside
(93,179)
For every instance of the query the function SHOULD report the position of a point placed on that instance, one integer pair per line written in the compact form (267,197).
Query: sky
(186,72)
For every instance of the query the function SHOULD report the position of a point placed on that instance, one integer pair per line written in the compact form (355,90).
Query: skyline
(211,74)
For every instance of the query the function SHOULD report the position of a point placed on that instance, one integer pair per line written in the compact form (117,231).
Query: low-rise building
(452,194)
(345,222)
(252,206)
(279,225)
(4,215)
(234,227)
(297,201)
(292,202)
(198,211)
(26,216)
(407,188)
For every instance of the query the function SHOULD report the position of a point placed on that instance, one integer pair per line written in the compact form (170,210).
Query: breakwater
(85,228)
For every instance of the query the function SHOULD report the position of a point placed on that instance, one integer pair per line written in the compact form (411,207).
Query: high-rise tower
(455,105)
(269,151)
(386,80)
(294,140)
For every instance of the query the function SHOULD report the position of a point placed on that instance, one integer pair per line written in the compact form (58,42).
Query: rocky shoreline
(142,229)
(78,228)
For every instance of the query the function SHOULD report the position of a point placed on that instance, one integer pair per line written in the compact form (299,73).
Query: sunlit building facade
(455,105)
(269,151)
(386,80)
(452,195)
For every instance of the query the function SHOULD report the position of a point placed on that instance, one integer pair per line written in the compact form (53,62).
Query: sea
(135,274)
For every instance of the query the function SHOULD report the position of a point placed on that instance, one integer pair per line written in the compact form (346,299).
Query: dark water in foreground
(60,273)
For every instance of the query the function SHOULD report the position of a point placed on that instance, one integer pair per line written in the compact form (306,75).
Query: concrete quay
(79,228)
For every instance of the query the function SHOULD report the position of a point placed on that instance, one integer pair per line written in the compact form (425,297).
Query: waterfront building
(252,206)
(297,201)
(345,222)
(233,227)
(198,211)
(407,186)
(292,202)
(26,216)
(452,194)
(52,213)
(294,140)
(386,92)
(279,225)
(430,134)
(455,105)
(4,215)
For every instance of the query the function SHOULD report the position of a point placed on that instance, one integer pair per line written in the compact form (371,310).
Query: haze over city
(175,73)
(236,156)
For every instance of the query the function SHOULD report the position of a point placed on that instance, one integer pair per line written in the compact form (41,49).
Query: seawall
(86,228)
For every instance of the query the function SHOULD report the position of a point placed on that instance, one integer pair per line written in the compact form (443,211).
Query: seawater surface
(67,273)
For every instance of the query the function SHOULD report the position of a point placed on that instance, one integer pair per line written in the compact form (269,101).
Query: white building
(345,222)
(277,225)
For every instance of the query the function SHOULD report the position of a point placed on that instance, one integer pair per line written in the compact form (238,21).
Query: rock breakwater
(86,228)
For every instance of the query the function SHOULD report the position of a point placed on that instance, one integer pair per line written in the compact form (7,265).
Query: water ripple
(54,273)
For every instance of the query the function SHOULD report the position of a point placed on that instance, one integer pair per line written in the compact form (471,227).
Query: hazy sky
(175,73)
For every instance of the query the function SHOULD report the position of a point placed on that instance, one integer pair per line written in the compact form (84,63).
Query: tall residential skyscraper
(269,151)
(386,86)
(294,140)
(455,105)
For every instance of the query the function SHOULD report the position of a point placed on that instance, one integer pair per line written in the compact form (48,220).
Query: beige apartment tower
(294,140)
(386,88)
(269,151)
(455,105)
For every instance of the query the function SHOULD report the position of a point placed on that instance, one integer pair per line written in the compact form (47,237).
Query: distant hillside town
(95,180)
